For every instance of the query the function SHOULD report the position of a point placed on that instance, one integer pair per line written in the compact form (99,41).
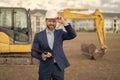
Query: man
(49,42)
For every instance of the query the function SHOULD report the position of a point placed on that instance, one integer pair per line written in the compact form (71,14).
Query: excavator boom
(97,17)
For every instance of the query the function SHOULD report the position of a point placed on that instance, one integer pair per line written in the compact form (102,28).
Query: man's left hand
(61,20)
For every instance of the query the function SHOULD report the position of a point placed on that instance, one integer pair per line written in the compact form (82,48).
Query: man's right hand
(45,56)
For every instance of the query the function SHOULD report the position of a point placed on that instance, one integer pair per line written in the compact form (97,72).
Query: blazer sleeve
(70,34)
(35,45)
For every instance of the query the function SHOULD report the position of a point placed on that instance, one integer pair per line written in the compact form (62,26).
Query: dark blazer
(41,43)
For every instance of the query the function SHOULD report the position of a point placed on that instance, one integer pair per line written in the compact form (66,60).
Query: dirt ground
(82,68)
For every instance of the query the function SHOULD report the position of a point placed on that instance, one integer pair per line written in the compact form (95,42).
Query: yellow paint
(20,48)
(4,47)
(4,38)
(4,42)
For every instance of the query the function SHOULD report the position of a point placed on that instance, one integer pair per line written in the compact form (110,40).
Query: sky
(103,5)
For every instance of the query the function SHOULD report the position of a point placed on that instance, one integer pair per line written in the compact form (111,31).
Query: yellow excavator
(16,33)
(96,16)
(89,50)
(15,30)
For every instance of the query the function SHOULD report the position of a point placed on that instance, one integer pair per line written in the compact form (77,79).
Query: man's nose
(51,22)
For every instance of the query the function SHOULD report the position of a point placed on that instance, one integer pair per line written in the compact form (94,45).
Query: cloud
(110,6)
(61,4)
(114,1)
(94,3)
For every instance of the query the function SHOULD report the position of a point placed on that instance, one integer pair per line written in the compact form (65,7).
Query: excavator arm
(99,23)
(97,17)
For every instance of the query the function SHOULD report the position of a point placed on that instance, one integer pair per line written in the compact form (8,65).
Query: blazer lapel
(45,38)
(55,37)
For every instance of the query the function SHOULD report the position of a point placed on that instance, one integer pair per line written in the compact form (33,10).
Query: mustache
(51,25)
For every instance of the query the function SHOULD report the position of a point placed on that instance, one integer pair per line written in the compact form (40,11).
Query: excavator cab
(15,30)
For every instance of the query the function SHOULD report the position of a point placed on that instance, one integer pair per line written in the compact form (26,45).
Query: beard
(51,27)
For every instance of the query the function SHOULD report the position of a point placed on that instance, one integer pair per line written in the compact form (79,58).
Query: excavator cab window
(6,18)
(20,26)
(14,22)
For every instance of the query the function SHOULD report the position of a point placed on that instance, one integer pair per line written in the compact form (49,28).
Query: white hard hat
(51,14)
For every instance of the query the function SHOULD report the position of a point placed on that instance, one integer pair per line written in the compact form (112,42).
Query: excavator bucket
(91,51)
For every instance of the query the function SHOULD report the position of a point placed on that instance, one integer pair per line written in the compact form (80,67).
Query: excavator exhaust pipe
(91,51)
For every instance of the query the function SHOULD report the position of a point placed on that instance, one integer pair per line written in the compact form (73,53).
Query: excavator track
(16,58)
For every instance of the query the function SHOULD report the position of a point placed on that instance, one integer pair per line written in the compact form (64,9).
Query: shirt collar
(49,31)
